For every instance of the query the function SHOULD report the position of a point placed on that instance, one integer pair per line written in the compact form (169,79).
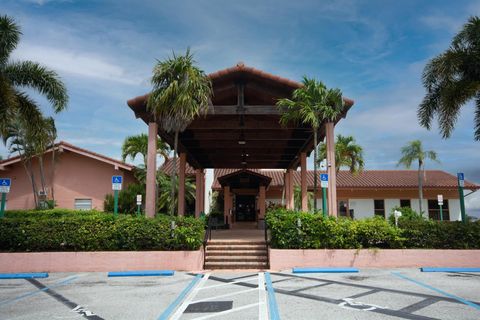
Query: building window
(379,207)
(405,203)
(83,204)
(434,210)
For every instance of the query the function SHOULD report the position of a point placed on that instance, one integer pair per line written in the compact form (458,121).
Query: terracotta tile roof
(367,179)
(241,67)
(72,148)
(167,167)
(137,102)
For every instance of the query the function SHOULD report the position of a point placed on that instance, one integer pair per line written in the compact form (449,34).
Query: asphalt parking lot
(369,294)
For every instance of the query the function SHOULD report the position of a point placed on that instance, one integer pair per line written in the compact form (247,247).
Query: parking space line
(33,293)
(189,298)
(224,295)
(229,283)
(469,303)
(363,294)
(419,305)
(70,304)
(272,302)
(262,297)
(181,296)
(227,311)
(312,287)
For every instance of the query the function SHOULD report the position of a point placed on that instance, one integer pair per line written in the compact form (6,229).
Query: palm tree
(31,142)
(297,199)
(312,104)
(181,92)
(165,202)
(138,144)
(411,152)
(452,79)
(347,154)
(15,75)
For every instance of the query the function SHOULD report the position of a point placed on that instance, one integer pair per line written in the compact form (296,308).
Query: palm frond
(9,37)
(33,75)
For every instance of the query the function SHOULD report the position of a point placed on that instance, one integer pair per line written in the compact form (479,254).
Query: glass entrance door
(244,208)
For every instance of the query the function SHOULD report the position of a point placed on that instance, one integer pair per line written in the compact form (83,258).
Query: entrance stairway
(236,254)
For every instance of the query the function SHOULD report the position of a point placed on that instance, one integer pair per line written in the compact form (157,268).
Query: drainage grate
(209,306)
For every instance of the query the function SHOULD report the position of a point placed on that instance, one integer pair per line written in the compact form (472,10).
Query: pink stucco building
(80,178)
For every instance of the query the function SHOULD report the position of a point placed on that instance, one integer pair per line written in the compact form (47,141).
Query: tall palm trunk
(420,186)
(315,170)
(53,175)
(174,171)
(29,169)
(42,173)
(283,190)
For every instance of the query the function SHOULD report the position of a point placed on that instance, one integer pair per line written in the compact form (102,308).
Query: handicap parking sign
(324,180)
(461,179)
(5,185)
(116,182)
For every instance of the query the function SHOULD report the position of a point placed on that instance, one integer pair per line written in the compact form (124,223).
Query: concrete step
(236,242)
(236,247)
(236,252)
(236,258)
(235,265)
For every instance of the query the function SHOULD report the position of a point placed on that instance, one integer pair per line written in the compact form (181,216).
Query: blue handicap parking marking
(324,177)
(5,182)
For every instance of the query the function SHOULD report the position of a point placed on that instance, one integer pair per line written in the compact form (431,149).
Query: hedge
(300,230)
(96,231)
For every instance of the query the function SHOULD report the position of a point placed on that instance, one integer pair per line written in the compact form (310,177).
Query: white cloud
(75,63)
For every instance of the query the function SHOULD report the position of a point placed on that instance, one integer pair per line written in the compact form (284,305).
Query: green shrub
(294,230)
(93,231)
(408,214)
(50,213)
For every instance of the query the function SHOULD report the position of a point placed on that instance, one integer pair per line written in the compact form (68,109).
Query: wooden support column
(290,202)
(198,192)
(202,198)
(261,202)
(150,205)
(226,204)
(332,179)
(303,173)
(287,190)
(181,184)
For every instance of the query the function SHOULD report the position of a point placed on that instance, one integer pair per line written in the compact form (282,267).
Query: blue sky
(374,51)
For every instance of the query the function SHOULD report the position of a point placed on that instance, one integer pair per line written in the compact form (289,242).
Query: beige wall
(76,177)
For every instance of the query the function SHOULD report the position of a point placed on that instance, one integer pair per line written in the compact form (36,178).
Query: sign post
(461,184)
(116,186)
(324,185)
(440,204)
(139,204)
(4,189)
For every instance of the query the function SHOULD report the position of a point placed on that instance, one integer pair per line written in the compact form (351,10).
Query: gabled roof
(62,145)
(368,179)
(236,178)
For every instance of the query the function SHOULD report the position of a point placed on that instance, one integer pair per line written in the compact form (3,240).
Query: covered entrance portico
(241,130)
